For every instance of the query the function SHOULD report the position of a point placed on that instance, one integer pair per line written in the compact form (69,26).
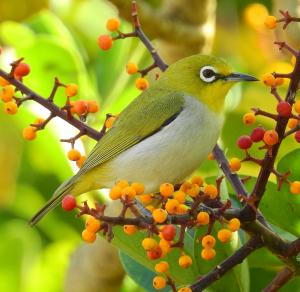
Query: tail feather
(62,190)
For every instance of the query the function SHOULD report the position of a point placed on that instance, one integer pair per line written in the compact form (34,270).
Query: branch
(237,258)
(280,280)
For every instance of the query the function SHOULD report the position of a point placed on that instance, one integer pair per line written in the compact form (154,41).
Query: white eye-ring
(208,74)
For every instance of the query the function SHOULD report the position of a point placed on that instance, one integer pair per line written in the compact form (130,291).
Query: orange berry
(122,183)
(234,164)
(141,83)
(193,190)
(92,106)
(92,224)
(109,122)
(115,192)
(80,161)
(180,196)
(22,69)
(292,123)
(210,156)
(211,191)
(297,106)
(234,224)
(74,155)
(88,236)
(268,79)
(7,93)
(270,21)
(159,215)
(3,82)
(166,189)
(10,108)
(208,253)
(279,81)
(198,180)
(105,42)
(295,187)
(185,186)
(146,198)
(38,121)
(29,133)
(113,24)
(162,267)
(172,206)
(249,119)
(271,137)
(128,193)
(185,289)
(159,282)
(224,235)
(185,261)
(182,209)
(71,89)
(131,68)
(165,246)
(203,218)
(130,229)
(208,241)
(149,243)
(80,107)
(139,188)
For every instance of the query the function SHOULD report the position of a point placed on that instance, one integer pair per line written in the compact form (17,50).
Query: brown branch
(284,45)
(280,280)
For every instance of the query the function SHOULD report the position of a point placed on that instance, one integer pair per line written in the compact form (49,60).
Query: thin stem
(280,280)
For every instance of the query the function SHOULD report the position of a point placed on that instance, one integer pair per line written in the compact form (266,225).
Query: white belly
(171,154)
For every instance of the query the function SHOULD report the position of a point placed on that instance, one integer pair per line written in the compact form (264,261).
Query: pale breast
(169,155)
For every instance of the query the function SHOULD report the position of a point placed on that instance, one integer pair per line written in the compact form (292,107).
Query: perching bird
(163,135)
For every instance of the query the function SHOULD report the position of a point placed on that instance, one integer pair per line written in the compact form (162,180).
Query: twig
(280,280)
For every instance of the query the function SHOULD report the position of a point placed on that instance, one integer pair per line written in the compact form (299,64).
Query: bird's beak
(235,77)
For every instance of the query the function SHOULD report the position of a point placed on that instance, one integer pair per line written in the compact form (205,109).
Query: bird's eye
(208,74)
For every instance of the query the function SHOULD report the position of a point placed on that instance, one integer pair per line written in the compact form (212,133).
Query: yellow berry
(172,206)
(7,93)
(208,241)
(297,106)
(203,218)
(185,289)
(10,107)
(193,190)
(208,253)
(128,193)
(295,187)
(122,183)
(293,61)
(130,229)
(29,133)
(113,24)
(3,82)
(210,156)
(211,191)
(165,246)
(139,188)
(270,21)
(180,196)
(234,164)
(198,180)
(149,243)
(166,189)
(88,236)
(292,123)
(141,83)
(234,224)
(109,122)
(162,267)
(159,282)
(268,79)
(249,119)
(150,208)
(71,89)
(159,215)
(224,235)
(146,198)
(131,68)
(185,261)
(182,209)
(74,155)
(92,224)
(80,161)
(115,193)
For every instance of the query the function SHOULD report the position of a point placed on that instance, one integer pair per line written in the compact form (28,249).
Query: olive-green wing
(146,115)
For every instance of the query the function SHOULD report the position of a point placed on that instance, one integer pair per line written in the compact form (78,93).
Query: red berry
(155,253)
(297,136)
(22,69)
(168,232)
(244,142)
(68,203)
(284,109)
(257,134)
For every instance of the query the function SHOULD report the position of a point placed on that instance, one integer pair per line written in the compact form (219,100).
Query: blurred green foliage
(61,41)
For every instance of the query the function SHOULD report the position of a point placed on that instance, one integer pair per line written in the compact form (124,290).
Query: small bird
(163,135)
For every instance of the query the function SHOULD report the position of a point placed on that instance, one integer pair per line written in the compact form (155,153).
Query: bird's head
(207,78)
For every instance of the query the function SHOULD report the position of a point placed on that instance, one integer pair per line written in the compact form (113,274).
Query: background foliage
(58,38)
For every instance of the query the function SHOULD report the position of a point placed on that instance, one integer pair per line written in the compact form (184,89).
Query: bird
(161,136)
